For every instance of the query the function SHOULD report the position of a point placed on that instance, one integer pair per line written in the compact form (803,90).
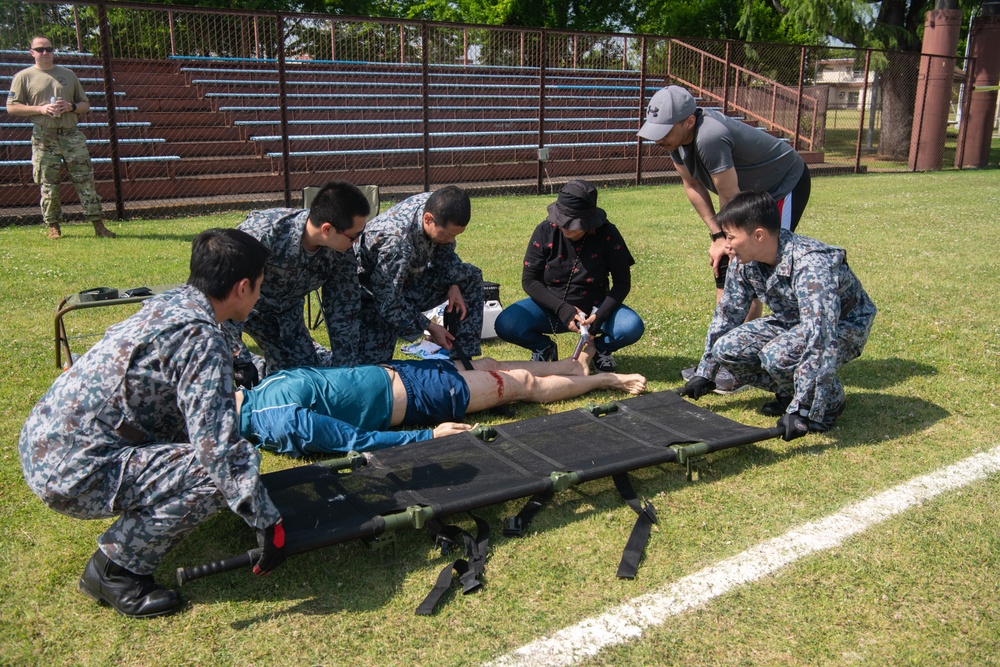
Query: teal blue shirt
(323,410)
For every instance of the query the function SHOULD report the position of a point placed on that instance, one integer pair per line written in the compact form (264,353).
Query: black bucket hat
(576,208)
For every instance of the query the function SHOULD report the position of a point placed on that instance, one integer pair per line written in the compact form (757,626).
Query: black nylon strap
(468,571)
(442,584)
(637,540)
(516,525)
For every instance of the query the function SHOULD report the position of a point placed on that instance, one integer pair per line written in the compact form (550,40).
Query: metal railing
(488,107)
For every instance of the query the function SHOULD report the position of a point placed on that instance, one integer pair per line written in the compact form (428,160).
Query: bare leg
(566,367)
(488,389)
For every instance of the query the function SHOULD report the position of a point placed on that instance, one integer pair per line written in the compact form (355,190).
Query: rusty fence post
(861,119)
(283,110)
(109,94)
(425,85)
(542,65)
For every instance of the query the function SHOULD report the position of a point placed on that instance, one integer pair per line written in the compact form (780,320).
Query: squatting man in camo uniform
(309,249)
(407,264)
(52,98)
(144,427)
(820,320)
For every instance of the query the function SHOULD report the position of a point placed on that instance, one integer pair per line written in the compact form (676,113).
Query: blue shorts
(435,392)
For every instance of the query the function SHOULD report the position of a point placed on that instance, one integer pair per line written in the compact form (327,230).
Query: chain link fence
(197,109)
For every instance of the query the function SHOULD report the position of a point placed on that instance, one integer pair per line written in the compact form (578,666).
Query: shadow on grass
(344,577)
(656,369)
(348,577)
(881,373)
(868,418)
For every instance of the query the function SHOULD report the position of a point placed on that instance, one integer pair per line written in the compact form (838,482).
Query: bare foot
(633,383)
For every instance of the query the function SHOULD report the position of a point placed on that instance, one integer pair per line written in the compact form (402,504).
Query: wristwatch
(73,106)
(718,235)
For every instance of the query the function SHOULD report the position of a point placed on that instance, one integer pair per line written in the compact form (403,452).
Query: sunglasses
(350,237)
(44,49)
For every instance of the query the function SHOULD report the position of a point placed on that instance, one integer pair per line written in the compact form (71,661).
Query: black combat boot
(131,594)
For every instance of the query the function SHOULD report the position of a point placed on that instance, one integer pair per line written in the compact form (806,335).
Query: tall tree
(719,19)
(895,25)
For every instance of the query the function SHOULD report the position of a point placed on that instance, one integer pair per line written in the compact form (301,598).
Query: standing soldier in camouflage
(309,249)
(407,265)
(52,97)
(143,427)
(820,320)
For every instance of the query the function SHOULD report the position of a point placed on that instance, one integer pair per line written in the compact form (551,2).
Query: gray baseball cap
(668,107)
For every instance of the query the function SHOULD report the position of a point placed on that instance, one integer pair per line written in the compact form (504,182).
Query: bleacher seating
(203,126)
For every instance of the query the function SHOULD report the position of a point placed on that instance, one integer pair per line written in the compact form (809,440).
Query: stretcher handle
(186,574)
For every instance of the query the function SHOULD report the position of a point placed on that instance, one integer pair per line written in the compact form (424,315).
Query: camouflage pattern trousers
(378,337)
(765,354)
(159,492)
(49,149)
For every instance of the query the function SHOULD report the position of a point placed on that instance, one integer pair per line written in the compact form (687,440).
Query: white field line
(628,620)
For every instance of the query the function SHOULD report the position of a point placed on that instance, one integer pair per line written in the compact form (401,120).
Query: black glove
(795,426)
(696,387)
(245,374)
(272,549)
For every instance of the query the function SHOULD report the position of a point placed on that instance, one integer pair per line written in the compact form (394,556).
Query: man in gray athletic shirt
(715,153)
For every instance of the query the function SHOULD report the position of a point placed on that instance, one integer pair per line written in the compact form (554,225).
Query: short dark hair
(749,210)
(450,206)
(338,203)
(220,258)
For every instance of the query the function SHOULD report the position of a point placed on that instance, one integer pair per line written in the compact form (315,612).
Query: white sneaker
(548,353)
(604,362)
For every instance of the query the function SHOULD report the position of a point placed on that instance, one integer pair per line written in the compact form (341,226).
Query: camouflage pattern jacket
(161,376)
(292,273)
(393,253)
(811,288)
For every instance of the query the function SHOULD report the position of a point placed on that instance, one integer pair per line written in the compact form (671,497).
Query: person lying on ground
(306,411)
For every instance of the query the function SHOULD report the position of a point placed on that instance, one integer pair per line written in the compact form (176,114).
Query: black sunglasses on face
(43,49)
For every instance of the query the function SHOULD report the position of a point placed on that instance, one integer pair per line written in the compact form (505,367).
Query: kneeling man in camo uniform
(310,248)
(820,320)
(144,427)
(407,264)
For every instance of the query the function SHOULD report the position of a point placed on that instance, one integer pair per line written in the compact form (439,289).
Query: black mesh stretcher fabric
(321,507)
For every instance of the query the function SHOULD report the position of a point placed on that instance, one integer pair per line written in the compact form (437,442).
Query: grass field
(919,589)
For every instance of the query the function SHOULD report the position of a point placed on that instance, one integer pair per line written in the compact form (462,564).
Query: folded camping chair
(308,193)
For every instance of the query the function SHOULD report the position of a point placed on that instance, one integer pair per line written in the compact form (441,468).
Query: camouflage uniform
(57,140)
(144,427)
(403,274)
(821,317)
(277,323)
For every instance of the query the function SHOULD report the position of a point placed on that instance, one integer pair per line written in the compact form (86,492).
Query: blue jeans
(525,323)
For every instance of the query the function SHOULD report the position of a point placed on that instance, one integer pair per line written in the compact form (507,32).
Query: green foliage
(885,24)
(753,20)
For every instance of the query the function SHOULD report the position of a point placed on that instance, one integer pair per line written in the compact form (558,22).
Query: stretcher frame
(365,497)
